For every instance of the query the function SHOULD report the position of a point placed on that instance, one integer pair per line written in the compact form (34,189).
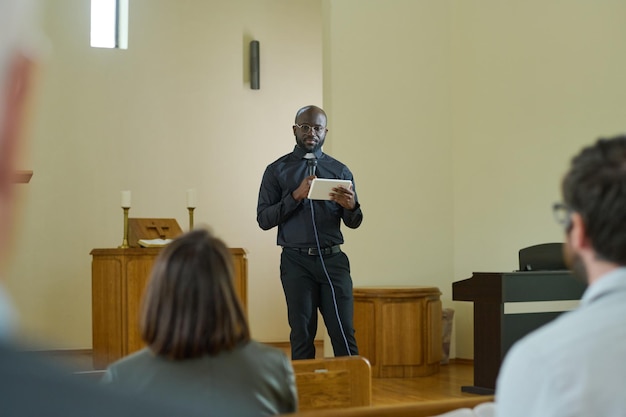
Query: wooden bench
(414,409)
(94,376)
(333,382)
(321,383)
(342,387)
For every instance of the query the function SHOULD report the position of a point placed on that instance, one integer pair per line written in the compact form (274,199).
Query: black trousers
(308,288)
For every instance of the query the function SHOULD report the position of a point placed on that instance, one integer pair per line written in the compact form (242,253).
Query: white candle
(192,199)
(125,199)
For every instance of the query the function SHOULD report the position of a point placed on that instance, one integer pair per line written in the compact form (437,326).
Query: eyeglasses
(562,214)
(307,128)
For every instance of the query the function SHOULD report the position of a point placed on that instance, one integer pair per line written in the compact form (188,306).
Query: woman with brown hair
(199,346)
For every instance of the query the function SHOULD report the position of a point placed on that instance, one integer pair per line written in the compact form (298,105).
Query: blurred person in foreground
(198,341)
(29,385)
(574,366)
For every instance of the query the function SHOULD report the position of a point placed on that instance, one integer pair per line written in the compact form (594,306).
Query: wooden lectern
(507,306)
(118,278)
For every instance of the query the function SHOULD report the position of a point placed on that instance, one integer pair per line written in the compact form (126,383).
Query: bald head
(310,109)
(18,40)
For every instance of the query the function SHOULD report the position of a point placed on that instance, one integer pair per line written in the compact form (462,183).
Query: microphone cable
(332,288)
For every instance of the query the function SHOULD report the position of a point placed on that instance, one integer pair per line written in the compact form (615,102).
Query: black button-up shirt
(276,206)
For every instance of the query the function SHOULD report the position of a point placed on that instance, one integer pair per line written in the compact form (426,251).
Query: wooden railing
(415,409)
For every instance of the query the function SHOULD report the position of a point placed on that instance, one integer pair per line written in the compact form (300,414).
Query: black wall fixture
(255,75)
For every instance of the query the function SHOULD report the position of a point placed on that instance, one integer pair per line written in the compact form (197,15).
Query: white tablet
(322,187)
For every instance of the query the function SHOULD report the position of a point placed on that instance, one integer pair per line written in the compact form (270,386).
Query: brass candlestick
(124,244)
(190,217)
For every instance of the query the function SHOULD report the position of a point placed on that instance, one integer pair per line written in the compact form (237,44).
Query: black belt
(314,251)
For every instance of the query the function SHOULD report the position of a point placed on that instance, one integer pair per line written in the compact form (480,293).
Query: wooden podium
(507,306)
(118,279)
(398,329)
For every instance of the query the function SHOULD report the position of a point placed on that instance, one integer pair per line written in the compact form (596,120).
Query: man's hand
(344,197)
(302,191)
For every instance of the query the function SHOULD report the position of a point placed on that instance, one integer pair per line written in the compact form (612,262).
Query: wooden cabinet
(118,278)
(398,329)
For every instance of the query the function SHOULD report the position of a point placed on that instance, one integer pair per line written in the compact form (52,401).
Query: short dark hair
(595,187)
(190,307)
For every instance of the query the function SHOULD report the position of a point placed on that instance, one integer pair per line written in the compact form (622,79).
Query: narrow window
(109,24)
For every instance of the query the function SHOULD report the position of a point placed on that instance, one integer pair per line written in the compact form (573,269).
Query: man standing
(574,366)
(314,271)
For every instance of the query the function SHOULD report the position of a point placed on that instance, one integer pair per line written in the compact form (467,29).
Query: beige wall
(386,87)
(533,82)
(172,112)
(457,118)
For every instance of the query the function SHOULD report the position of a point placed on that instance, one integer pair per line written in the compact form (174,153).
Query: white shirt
(574,365)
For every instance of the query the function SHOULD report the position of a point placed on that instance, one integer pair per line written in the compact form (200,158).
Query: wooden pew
(94,376)
(342,387)
(414,409)
(333,382)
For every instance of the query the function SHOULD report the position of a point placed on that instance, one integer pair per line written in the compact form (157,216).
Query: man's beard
(318,145)
(574,263)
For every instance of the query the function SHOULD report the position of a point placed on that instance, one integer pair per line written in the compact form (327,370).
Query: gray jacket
(252,380)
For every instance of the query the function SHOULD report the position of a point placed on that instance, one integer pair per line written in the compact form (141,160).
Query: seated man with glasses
(314,271)
(574,366)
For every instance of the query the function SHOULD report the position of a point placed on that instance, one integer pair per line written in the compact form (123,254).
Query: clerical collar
(302,153)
